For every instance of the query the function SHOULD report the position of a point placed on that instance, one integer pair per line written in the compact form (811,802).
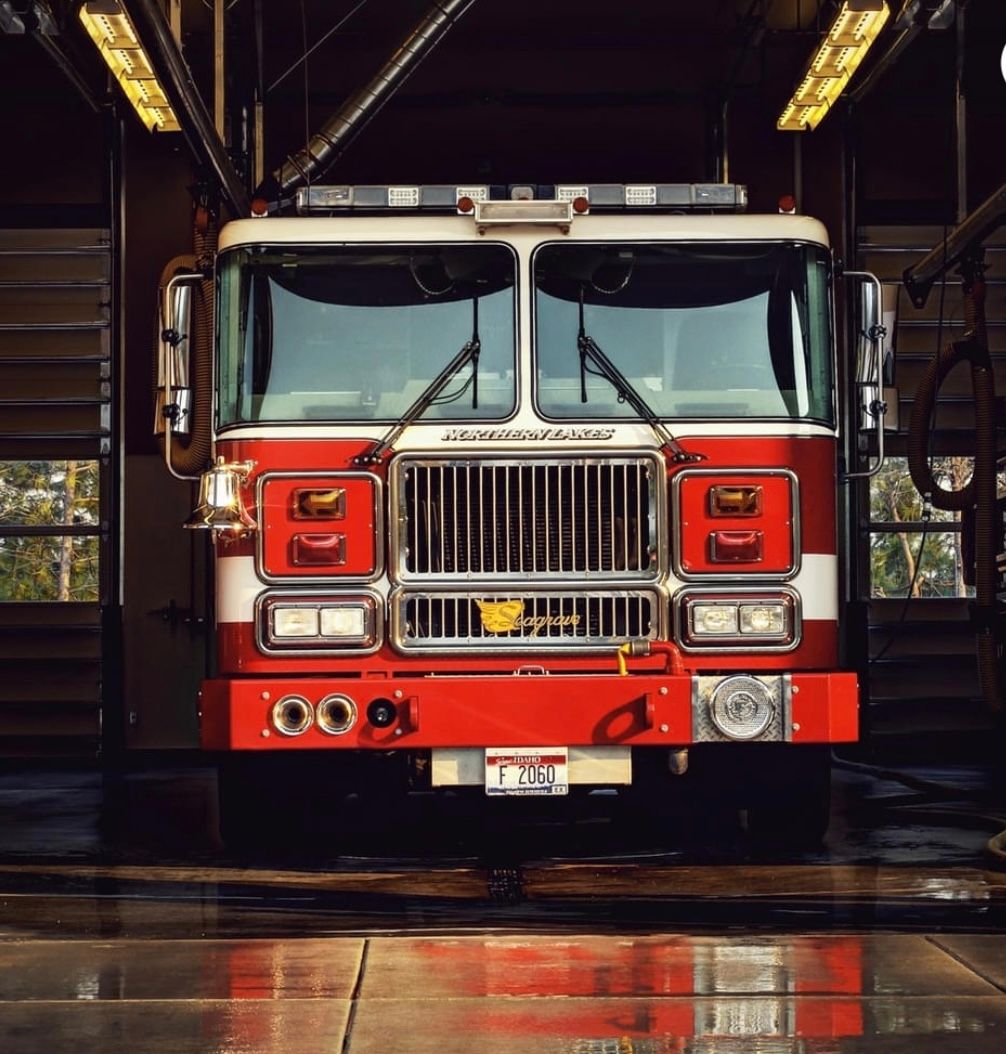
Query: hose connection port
(336,714)
(292,715)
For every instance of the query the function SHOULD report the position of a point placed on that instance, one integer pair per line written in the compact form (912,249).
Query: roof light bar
(670,197)
(522,210)
(108,25)
(856,26)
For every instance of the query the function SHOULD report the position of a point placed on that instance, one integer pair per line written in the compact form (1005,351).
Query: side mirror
(173,397)
(871,332)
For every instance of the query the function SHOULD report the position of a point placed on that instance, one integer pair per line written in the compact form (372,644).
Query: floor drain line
(506,885)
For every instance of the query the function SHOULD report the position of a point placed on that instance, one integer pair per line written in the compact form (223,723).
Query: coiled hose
(190,455)
(980,492)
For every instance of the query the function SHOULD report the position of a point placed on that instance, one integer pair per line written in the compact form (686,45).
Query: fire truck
(524,489)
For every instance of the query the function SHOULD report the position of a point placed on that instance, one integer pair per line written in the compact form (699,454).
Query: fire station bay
(502,527)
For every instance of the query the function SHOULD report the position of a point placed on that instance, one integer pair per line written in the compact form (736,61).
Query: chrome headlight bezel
(319,612)
(692,605)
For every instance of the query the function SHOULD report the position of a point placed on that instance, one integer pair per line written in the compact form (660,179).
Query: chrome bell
(221,507)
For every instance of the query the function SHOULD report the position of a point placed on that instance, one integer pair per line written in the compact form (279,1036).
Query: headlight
(738,621)
(763,619)
(299,623)
(708,620)
(294,622)
(348,621)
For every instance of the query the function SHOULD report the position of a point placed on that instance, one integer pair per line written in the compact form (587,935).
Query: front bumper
(645,709)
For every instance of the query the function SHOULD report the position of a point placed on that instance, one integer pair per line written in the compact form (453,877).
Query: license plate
(527,770)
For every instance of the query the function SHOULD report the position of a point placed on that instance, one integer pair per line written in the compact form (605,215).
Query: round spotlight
(741,707)
(292,715)
(336,714)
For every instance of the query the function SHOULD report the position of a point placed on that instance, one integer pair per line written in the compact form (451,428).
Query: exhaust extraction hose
(979,493)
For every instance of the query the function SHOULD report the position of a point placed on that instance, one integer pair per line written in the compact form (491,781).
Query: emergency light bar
(477,200)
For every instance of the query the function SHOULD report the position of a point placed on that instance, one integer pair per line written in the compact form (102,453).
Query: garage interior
(438,923)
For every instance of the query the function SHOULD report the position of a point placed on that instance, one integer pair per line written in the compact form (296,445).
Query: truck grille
(532,622)
(504,519)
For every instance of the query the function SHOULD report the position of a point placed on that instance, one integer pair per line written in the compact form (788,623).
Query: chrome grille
(502,519)
(531,622)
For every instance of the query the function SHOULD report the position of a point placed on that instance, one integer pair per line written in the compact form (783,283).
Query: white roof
(635,226)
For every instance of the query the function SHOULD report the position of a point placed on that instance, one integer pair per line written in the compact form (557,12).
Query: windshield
(351,333)
(700,330)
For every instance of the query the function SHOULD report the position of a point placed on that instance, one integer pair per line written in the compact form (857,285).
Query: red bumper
(639,710)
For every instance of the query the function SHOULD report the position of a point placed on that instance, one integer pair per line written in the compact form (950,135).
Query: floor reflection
(679,994)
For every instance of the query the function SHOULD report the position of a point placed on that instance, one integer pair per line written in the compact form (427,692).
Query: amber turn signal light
(326,504)
(735,501)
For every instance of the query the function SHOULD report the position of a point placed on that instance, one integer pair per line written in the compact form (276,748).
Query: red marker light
(581,205)
(727,547)
(465,204)
(787,204)
(259,207)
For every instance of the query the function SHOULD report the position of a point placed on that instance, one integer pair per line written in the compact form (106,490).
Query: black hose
(980,492)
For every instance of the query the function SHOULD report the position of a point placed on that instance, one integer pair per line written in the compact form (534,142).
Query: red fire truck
(523,489)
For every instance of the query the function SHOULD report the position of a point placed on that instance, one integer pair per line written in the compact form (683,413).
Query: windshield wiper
(603,367)
(469,353)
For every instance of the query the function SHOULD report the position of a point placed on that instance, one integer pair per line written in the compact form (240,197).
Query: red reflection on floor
(678,986)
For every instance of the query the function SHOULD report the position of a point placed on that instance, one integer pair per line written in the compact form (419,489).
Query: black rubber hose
(980,491)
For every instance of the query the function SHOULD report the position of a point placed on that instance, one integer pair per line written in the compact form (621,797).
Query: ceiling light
(109,27)
(855,27)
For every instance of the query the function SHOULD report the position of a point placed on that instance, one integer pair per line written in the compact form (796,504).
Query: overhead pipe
(884,63)
(62,60)
(914,16)
(963,240)
(197,126)
(326,145)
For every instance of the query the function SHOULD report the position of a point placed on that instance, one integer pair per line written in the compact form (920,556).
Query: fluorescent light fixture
(109,27)
(856,26)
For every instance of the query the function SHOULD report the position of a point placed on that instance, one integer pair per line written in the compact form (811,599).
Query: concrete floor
(126,927)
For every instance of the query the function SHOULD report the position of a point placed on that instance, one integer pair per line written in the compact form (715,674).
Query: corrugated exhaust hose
(979,494)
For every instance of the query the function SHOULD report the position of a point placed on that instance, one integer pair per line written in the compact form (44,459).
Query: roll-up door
(55,487)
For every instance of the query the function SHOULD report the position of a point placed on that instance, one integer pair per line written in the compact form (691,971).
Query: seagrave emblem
(506,616)
(501,616)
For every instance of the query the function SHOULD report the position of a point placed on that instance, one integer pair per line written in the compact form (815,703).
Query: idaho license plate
(527,770)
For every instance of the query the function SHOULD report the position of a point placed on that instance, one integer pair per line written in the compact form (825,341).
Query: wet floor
(442,924)
(765,994)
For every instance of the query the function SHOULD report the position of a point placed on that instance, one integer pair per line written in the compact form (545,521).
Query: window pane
(699,330)
(895,559)
(48,493)
(48,568)
(894,499)
(359,333)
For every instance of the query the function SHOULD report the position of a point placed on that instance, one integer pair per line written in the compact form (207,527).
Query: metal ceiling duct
(915,15)
(965,238)
(174,76)
(341,128)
